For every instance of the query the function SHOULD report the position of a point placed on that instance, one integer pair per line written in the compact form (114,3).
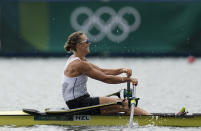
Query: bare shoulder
(74,64)
(84,65)
(80,65)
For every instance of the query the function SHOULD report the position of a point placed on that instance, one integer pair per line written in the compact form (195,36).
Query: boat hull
(24,119)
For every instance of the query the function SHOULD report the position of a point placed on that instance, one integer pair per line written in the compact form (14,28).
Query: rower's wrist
(125,79)
(124,70)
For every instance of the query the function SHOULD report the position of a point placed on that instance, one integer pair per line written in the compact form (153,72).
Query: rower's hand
(134,81)
(128,72)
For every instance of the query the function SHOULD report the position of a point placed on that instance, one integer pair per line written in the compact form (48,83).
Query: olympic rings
(105,28)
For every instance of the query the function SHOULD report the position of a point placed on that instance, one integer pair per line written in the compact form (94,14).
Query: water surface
(165,85)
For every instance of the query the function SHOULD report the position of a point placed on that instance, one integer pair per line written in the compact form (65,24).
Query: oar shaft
(133,103)
(132,114)
(128,86)
(134,91)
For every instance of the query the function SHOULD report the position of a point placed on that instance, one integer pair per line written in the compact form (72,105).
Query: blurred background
(115,27)
(164,35)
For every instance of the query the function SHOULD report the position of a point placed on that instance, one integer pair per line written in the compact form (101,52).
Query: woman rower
(78,69)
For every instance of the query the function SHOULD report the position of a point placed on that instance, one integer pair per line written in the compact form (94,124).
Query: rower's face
(84,45)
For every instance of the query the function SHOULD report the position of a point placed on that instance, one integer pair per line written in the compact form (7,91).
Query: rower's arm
(93,72)
(113,71)
(110,71)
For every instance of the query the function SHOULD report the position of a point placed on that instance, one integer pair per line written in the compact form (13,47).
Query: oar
(128,93)
(128,86)
(133,103)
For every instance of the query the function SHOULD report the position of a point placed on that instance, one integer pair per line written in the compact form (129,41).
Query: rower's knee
(104,100)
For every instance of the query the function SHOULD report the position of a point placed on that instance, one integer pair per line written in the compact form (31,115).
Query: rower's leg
(140,111)
(113,108)
(118,108)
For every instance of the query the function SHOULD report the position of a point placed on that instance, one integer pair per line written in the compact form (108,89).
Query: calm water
(165,85)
